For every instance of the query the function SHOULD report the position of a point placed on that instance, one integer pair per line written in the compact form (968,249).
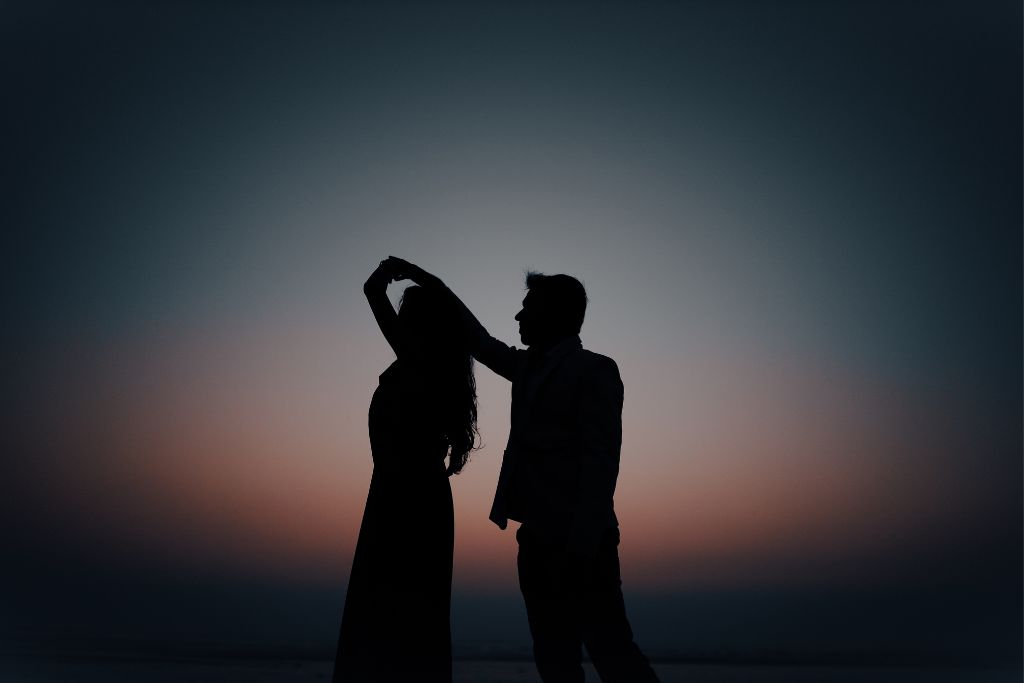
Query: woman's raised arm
(376,290)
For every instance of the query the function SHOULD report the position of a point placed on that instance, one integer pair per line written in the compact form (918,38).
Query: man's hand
(403,270)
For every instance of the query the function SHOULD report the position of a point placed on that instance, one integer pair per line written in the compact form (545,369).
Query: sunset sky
(799,226)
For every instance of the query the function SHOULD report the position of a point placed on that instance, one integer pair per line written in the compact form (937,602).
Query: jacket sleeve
(600,416)
(498,356)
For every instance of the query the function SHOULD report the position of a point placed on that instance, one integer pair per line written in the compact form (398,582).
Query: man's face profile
(527,317)
(537,322)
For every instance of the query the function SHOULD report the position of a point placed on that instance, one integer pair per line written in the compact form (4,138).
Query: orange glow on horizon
(767,472)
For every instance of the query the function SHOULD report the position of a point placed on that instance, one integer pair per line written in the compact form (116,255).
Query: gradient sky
(799,225)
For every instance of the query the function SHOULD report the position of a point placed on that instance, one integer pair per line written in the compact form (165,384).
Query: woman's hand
(380,278)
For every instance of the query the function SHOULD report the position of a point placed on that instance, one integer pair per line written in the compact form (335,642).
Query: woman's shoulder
(392,373)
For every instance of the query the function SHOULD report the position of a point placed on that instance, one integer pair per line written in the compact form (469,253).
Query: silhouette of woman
(396,621)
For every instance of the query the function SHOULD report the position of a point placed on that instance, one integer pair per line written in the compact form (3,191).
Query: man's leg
(553,618)
(605,628)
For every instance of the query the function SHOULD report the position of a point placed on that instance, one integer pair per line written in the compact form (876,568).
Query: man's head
(552,310)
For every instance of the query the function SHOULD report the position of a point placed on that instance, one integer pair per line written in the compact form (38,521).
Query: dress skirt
(396,622)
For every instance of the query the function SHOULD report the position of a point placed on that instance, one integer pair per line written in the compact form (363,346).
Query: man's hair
(564,296)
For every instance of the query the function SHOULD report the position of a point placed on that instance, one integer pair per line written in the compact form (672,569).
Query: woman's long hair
(431,334)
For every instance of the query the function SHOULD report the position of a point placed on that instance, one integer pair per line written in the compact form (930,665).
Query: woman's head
(423,319)
(431,339)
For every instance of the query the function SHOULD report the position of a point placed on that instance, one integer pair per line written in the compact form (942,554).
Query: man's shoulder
(590,361)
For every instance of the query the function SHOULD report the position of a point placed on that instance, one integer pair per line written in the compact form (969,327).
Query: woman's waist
(388,463)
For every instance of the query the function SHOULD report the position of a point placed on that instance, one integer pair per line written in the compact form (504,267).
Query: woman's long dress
(396,622)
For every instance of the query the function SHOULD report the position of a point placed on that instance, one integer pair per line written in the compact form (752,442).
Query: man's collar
(560,348)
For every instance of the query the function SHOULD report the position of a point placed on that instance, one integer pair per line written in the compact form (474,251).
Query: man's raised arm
(496,355)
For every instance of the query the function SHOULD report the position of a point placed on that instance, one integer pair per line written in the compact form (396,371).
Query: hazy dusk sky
(799,225)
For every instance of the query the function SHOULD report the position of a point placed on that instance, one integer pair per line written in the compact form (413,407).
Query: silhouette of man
(558,478)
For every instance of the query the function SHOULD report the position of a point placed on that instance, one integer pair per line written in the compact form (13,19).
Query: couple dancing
(557,479)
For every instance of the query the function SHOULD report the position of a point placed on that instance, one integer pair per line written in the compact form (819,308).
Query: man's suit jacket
(559,470)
